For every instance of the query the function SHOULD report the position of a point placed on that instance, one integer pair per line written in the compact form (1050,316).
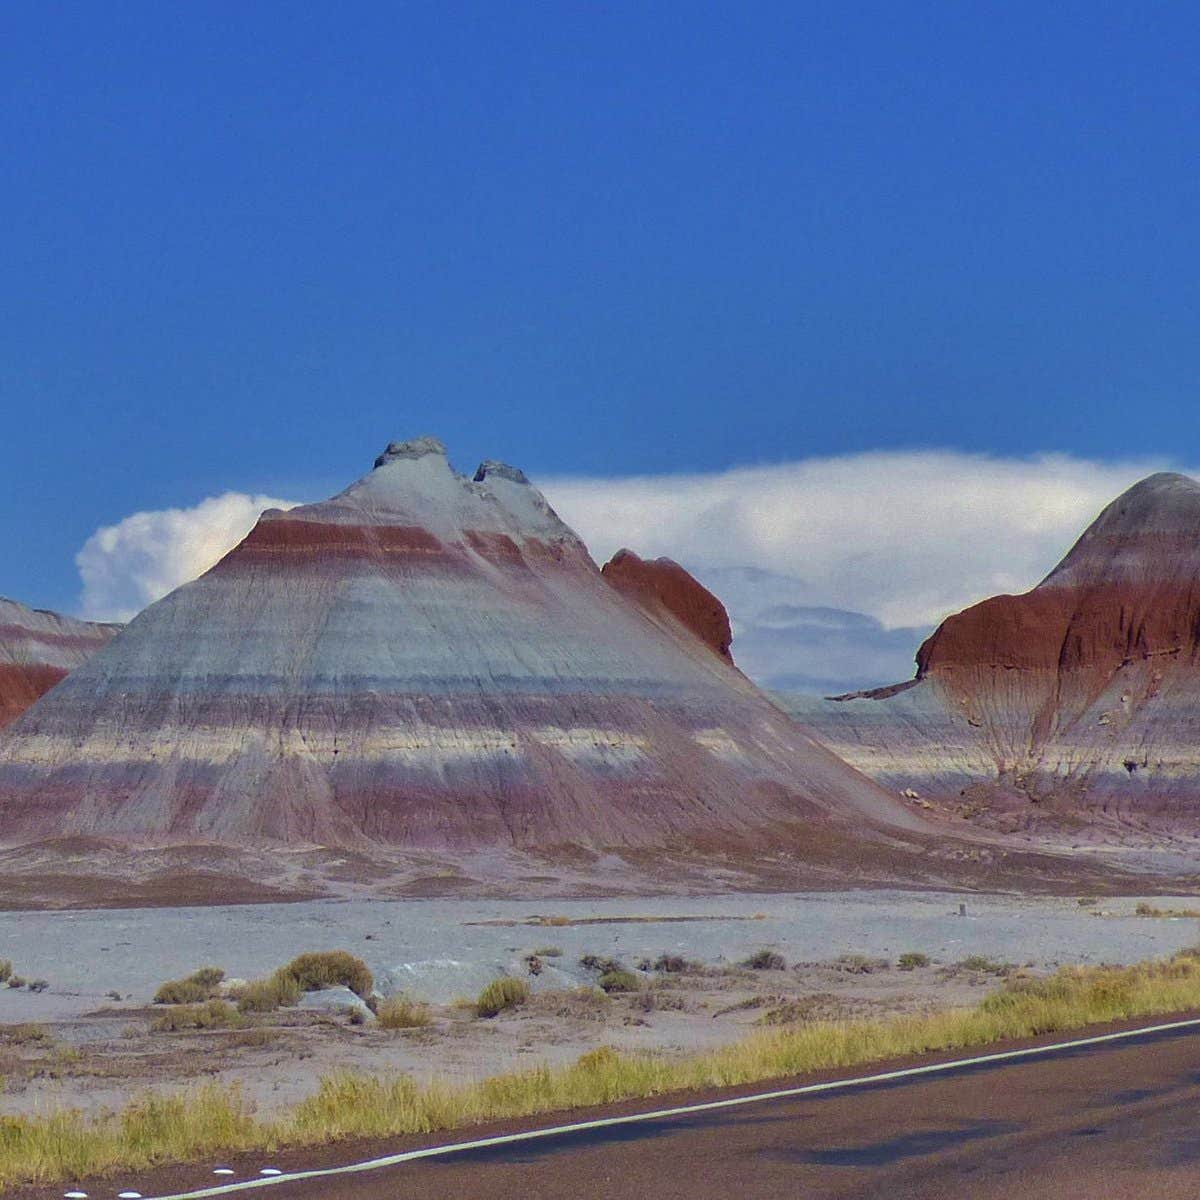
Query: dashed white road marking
(810,1089)
(129,1196)
(223,1171)
(270,1171)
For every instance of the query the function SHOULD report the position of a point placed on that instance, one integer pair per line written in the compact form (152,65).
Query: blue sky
(241,246)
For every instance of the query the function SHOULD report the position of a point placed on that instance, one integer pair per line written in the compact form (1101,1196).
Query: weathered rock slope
(1080,698)
(427,661)
(666,591)
(37,650)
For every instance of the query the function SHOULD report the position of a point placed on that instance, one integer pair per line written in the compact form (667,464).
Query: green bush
(619,981)
(6,969)
(501,994)
(199,985)
(912,960)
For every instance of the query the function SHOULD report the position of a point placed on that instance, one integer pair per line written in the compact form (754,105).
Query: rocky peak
(414,448)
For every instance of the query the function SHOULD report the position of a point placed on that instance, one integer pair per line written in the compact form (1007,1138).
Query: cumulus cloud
(130,564)
(905,537)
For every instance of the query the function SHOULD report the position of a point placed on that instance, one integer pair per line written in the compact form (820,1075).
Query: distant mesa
(430,660)
(1078,699)
(37,650)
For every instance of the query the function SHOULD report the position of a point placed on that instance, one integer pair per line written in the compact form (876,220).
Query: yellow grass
(215,1120)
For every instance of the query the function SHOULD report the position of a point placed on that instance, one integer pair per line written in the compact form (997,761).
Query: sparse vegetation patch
(211,1014)
(396,1012)
(199,985)
(500,995)
(214,1120)
(766,960)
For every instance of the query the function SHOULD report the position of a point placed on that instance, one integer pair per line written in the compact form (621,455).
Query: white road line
(392,1160)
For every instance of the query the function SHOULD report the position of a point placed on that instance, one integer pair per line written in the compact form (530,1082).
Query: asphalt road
(1113,1121)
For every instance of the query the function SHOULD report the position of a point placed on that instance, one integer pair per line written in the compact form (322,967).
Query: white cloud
(903,536)
(126,566)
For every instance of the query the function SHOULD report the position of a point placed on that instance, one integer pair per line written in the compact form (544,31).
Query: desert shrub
(533,964)
(1086,901)
(211,1014)
(912,960)
(6,969)
(199,985)
(860,964)
(548,952)
(619,981)
(39,985)
(980,962)
(658,1001)
(672,964)
(501,994)
(279,990)
(765,960)
(331,968)
(398,1013)
(15,981)
(594,962)
(24,1035)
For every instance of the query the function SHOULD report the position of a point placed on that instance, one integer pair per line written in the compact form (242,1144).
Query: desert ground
(87,1038)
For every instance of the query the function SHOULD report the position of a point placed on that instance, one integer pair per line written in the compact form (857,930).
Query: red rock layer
(37,650)
(22,684)
(662,585)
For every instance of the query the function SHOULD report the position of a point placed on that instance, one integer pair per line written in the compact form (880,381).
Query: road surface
(1108,1122)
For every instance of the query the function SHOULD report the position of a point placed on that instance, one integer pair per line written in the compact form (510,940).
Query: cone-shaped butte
(1080,698)
(426,660)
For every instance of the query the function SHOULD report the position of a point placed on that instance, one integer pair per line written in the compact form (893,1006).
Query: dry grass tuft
(331,968)
(199,985)
(398,1013)
(211,1014)
(276,991)
(501,994)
